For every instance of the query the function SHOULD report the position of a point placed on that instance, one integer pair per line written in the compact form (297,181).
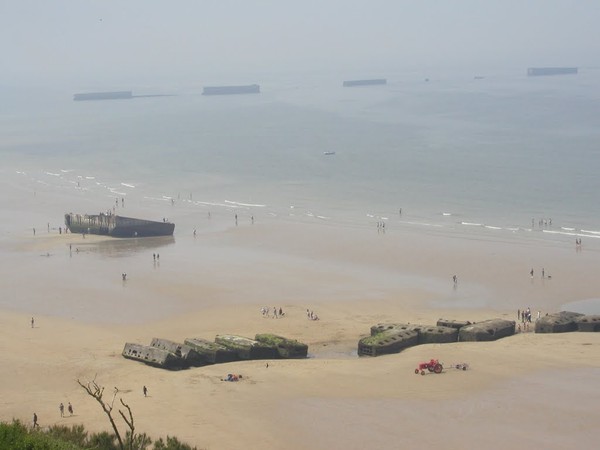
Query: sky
(93,41)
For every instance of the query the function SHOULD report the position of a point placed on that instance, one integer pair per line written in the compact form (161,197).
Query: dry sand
(526,389)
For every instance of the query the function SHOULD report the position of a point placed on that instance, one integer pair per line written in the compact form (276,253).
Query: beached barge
(117,226)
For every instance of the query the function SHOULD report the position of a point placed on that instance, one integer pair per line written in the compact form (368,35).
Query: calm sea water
(483,156)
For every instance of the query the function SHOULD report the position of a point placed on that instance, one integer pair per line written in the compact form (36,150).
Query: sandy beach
(538,389)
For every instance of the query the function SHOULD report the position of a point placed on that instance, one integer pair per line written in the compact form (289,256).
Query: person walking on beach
(145,391)
(32,322)
(61,408)
(543,273)
(35,421)
(34,231)
(70,409)
(531,272)
(455,279)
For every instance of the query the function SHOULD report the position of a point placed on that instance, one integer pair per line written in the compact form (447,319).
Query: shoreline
(353,278)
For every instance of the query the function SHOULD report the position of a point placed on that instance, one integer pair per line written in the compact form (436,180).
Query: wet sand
(524,389)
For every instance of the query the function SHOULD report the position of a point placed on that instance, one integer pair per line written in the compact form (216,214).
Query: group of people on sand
(232,377)
(524,316)
(61,408)
(311,315)
(277,313)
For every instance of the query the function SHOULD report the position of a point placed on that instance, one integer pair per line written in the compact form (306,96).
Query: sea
(499,154)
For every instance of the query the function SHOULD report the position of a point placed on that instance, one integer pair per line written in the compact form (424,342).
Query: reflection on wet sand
(119,247)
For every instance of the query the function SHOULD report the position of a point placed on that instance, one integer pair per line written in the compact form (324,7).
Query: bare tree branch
(96,391)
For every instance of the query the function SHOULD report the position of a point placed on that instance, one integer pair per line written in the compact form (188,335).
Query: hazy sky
(80,40)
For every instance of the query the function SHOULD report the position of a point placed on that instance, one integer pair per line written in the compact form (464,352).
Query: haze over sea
(458,154)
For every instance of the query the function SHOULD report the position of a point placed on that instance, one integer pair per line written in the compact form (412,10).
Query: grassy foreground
(18,436)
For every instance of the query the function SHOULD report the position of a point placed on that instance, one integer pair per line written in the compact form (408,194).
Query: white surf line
(128,185)
(249,205)
(564,233)
(591,232)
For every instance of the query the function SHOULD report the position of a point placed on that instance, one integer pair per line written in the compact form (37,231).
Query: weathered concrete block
(488,330)
(153,356)
(428,334)
(286,348)
(451,323)
(212,352)
(386,342)
(588,323)
(246,348)
(189,356)
(560,322)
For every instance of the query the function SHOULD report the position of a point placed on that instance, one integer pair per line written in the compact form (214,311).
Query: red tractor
(432,365)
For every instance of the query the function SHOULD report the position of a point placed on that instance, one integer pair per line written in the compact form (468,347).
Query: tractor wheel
(438,368)
(416,371)
(422,372)
(430,368)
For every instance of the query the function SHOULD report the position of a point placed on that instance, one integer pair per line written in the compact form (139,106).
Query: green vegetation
(287,348)
(17,436)
(382,337)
